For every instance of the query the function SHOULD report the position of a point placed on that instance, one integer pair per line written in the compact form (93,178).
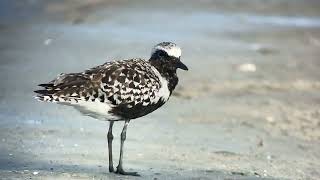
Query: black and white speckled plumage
(118,90)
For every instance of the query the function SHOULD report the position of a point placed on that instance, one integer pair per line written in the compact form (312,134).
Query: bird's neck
(167,73)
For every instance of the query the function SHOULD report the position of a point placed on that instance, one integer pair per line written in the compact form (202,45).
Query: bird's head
(166,56)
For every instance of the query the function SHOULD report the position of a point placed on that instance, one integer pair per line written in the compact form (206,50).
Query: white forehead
(170,48)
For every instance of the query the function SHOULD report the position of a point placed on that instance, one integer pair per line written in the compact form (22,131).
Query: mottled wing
(65,88)
(125,84)
(128,82)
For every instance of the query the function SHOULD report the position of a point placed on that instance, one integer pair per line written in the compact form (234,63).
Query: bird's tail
(46,94)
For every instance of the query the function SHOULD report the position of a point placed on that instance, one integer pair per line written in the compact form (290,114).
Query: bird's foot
(122,172)
(111,169)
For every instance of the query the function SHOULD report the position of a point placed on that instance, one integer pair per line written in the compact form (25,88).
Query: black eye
(162,54)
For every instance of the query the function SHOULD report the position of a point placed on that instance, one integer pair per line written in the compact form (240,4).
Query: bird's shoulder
(126,81)
(123,72)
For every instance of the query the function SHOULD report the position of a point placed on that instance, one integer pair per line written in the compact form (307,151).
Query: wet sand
(248,108)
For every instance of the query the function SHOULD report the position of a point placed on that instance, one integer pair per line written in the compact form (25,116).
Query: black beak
(182,66)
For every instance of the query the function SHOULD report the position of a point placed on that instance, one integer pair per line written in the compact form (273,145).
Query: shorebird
(119,90)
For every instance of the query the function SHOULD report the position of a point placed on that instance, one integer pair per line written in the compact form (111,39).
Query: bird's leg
(110,138)
(123,138)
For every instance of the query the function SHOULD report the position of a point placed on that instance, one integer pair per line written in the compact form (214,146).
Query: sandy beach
(248,108)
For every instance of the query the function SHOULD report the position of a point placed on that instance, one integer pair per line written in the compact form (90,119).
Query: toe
(122,172)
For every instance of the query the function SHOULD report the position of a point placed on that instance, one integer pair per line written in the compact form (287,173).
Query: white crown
(170,48)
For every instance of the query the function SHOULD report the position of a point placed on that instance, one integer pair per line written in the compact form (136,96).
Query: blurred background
(247,108)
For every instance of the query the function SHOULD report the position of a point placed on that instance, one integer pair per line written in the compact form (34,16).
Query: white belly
(95,109)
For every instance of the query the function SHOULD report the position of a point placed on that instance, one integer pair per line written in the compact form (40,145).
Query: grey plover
(119,90)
